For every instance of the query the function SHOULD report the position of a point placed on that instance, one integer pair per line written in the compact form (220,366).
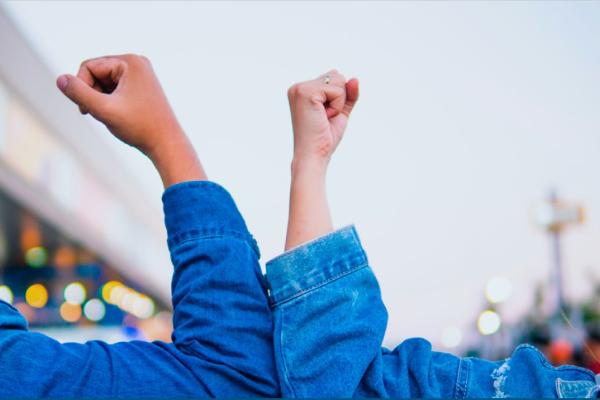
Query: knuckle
(337,75)
(304,90)
(84,63)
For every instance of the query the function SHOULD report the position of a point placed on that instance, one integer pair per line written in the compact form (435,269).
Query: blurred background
(469,167)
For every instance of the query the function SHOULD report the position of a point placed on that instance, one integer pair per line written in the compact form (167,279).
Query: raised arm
(320,110)
(330,319)
(222,340)
(222,343)
(329,316)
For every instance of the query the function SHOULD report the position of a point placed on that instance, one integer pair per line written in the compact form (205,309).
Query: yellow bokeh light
(128,299)
(70,312)
(36,295)
(118,294)
(107,289)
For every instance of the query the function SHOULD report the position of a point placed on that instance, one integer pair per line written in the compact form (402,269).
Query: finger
(334,78)
(82,94)
(334,105)
(335,99)
(106,71)
(85,75)
(352,93)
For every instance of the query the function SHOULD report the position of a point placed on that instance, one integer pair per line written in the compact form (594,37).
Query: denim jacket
(329,326)
(222,339)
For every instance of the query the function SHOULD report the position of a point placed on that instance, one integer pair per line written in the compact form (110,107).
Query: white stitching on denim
(284,367)
(499,377)
(461,390)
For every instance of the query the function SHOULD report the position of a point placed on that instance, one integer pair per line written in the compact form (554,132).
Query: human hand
(124,94)
(320,110)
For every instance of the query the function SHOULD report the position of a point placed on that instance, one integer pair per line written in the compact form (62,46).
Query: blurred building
(71,220)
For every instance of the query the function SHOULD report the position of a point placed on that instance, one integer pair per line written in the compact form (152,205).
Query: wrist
(176,160)
(302,165)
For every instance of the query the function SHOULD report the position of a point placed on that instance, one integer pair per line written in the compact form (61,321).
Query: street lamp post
(554,216)
(555,241)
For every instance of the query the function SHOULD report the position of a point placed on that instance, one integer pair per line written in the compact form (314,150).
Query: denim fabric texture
(222,340)
(321,339)
(329,325)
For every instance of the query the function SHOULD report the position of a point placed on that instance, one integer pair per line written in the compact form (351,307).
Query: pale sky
(469,113)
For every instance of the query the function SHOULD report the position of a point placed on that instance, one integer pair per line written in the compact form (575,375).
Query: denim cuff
(202,209)
(314,264)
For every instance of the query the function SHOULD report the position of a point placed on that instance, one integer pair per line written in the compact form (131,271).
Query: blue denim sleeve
(330,321)
(329,325)
(35,365)
(221,311)
(223,329)
(329,317)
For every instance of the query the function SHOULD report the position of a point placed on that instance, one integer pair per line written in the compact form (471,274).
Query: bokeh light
(6,294)
(107,290)
(70,312)
(498,289)
(94,310)
(451,337)
(75,293)
(488,322)
(36,295)
(30,233)
(143,307)
(36,257)
(25,310)
(65,257)
(128,300)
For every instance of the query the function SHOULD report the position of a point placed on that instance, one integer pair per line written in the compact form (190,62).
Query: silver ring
(327,79)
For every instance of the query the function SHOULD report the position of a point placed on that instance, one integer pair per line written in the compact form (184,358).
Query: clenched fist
(320,110)
(123,93)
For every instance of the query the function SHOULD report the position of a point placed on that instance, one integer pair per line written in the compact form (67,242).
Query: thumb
(351,95)
(82,94)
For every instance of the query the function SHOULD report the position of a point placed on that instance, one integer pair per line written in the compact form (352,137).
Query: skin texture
(320,113)
(124,94)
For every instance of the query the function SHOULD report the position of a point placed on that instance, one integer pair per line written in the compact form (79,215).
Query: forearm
(176,160)
(309,215)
